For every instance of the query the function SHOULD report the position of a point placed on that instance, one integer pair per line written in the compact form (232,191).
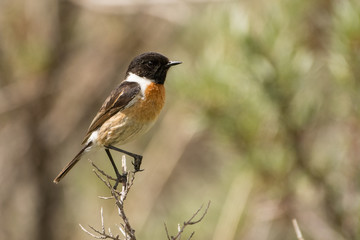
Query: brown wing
(118,100)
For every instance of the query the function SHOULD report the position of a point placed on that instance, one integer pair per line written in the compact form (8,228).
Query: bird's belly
(121,129)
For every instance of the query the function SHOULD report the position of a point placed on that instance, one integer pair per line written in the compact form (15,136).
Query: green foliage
(281,84)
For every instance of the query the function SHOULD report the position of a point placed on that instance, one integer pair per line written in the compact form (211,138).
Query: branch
(297,230)
(128,233)
(102,233)
(187,223)
(126,230)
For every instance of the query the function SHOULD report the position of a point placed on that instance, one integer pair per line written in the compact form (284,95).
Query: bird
(129,111)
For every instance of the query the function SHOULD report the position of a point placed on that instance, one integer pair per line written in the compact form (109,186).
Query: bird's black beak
(173,63)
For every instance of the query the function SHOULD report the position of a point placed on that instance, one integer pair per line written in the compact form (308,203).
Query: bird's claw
(137,163)
(122,178)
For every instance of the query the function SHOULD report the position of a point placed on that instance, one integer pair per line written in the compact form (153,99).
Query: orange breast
(147,109)
(135,120)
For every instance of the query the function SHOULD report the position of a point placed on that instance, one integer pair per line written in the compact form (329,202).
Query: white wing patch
(93,137)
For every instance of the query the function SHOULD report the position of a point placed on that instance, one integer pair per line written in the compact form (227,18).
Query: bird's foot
(137,163)
(121,178)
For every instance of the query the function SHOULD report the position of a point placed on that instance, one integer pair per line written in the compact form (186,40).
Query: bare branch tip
(188,222)
(191,235)
(297,230)
(167,232)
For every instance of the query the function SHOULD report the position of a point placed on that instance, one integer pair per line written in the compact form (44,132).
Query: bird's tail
(72,163)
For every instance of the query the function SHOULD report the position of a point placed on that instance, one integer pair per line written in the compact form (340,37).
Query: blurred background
(262,117)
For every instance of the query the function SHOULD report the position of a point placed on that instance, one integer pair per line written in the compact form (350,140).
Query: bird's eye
(150,64)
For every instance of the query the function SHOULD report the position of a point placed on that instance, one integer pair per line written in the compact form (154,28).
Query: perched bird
(130,110)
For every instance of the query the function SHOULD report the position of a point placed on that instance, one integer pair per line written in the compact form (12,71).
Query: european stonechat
(130,110)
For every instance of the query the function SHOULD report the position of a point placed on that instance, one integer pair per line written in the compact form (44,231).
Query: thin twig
(167,232)
(187,223)
(101,171)
(102,220)
(91,234)
(191,235)
(297,230)
(106,198)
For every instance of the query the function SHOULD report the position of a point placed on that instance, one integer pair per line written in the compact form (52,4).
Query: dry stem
(187,223)
(297,230)
(127,231)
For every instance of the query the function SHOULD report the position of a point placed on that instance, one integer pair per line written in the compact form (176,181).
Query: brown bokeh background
(262,117)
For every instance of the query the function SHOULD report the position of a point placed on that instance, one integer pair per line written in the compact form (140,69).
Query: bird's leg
(137,158)
(119,177)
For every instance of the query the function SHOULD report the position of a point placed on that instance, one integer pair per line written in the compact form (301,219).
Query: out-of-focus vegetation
(262,118)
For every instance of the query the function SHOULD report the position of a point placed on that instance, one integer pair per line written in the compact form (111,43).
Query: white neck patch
(143,82)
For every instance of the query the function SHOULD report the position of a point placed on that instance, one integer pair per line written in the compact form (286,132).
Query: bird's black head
(151,65)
